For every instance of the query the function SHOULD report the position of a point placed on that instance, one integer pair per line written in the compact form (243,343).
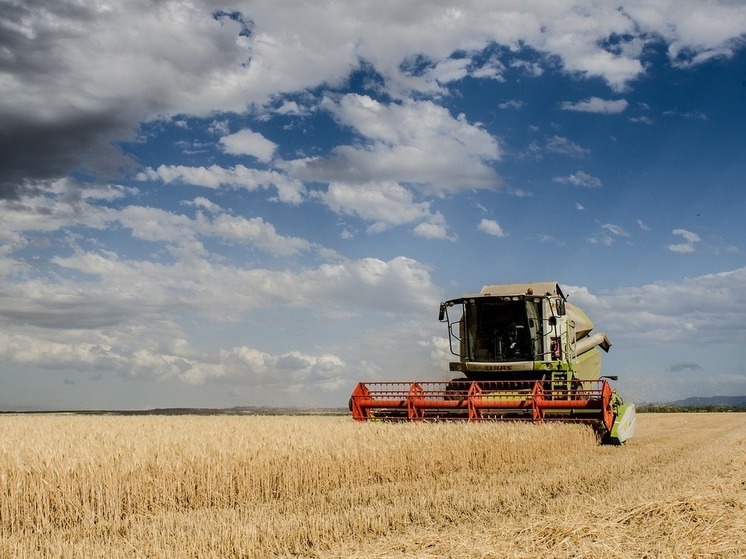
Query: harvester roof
(543,288)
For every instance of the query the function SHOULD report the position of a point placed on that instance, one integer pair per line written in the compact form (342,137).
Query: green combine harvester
(525,353)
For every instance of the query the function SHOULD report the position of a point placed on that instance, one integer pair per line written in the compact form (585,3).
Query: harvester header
(525,353)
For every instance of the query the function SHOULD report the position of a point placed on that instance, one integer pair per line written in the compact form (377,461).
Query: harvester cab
(522,332)
(525,353)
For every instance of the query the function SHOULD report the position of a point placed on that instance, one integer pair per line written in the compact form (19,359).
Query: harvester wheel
(606,439)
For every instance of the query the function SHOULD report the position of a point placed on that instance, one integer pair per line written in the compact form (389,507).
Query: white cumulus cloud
(247,142)
(385,203)
(413,142)
(491,227)
(688,245)
(597,105)
(580,178)
(289,190)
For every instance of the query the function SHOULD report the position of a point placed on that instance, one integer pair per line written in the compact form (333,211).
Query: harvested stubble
(230,487)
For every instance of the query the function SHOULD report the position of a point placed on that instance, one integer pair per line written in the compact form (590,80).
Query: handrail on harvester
(588,401)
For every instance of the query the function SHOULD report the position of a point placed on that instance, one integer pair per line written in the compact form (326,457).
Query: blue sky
(226,204)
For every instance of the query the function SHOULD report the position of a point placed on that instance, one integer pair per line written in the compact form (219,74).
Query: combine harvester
(525,353)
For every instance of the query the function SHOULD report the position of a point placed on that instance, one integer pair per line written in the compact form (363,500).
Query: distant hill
(698,404)
(698,401)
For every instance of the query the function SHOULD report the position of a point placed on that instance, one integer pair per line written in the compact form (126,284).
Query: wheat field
(326,487)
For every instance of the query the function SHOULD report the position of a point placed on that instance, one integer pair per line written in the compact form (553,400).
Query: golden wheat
(240,486)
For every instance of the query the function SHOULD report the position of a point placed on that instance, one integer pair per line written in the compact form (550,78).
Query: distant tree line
(663,408)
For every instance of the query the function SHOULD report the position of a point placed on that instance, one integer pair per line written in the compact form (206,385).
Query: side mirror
(442,312)
(561,310)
